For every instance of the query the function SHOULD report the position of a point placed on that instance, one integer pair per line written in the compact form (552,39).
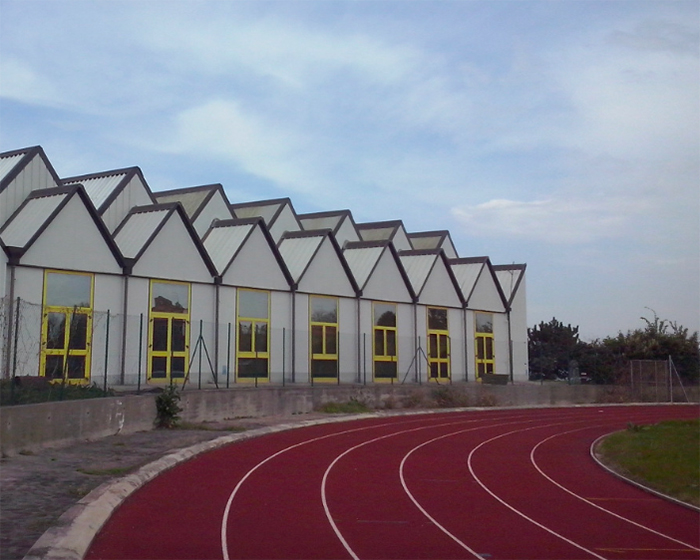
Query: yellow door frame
(485,351)
(441,357)
(252,353)
(324,355)
(385,332)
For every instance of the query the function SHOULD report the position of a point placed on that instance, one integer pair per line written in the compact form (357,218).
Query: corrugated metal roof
(134,234)
(362,261)
(417,268)
(99,188)
(508,280)
(297,252)
(467,275)
(323,222)
(266,212)
(7,164)
(223,242)
(33,215)
(426,242)
(377,234)
(191,201)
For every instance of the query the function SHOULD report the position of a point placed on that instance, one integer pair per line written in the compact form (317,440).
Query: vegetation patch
(662,456)
(168,408)
(449,397)
(33,390)
(352,406)
(116,471)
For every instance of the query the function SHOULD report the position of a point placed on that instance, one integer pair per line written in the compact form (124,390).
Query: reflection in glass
(253,304)
(68,290)
(484,322)
(317,339)
(384,315)
(245,336)
(178,338)
(331,340)
(261,337)
(168,297)
(78,332)
(159,366)
(56,331)
(53,368)
(437,319)
(324,310)
(160,334)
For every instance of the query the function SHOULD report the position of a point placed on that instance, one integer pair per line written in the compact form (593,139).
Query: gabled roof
(298,249)
(432,240)
(225,239)
(12,163)
(468,270)
(376,231)
(35,214)
(363,257)
(322,220)
(104,187)
(419,264)
(510,276)
(269,210)
(193,199)
(143,223)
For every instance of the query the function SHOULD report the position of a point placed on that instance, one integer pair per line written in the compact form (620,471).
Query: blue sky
(563,134)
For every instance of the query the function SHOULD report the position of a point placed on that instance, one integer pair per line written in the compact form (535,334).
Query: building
(105,281)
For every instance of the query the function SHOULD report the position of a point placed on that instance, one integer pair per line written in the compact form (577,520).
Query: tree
(552,346)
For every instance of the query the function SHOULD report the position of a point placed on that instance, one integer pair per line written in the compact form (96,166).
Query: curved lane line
(520,513)
(534,463)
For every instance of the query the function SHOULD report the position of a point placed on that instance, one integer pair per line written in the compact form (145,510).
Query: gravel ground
(35,489)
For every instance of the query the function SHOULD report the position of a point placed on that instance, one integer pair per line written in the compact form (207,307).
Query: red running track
(496,484)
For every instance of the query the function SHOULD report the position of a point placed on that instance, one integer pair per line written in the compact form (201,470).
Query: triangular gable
(115,192)
(431,277)
(478,284)
(202,204)
(378,271)
(340,222)
(510,277)
(160,242)
(316,263)
(59,228)
(390,230)
(21,172)
(439,239)
(245,255)
(278,213)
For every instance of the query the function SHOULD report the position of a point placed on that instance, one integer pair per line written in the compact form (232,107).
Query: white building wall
(346,232)
(501,344)
(286,221)
(301,338)
(325,274)
(216,209)
(386,283)
(280,337)
(255,265)
(401,241)
(202,335)
(455,323)
(439,289)
(133,194)
(34,176)
(485,295)
(107,317)
(518,318)
(348,341)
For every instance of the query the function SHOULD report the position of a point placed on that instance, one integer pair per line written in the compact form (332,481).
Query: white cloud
(21,82)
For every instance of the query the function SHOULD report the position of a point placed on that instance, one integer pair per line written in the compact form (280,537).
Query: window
(66,329)
(384,341)
(324,337)
(485,360)
(438,344)
(253,349)
(169,330)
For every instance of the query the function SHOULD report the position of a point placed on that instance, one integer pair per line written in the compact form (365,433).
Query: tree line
(555,348)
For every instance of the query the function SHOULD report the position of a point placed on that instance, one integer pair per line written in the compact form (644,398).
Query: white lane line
(534,463)
(227,509)
(520,513)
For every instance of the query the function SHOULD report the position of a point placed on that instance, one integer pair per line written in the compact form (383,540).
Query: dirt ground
(35,489)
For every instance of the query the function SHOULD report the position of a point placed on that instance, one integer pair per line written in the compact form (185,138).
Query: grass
(662,456)
(46,392)
(350,407)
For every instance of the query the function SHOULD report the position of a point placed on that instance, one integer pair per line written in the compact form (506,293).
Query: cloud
(556,221)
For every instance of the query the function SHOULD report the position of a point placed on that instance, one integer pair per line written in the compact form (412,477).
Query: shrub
(168,408)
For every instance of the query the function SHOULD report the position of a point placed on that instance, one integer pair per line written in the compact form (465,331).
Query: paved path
(35,489)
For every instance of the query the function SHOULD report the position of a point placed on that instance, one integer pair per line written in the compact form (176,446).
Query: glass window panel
(245,336)
(481,369)
(53,368)
(261,337)
(68,290)
(331,340)
(384,370)
(178,336)
(76,367)
(484,322)
(324,368)
(379,342)
(56,331)
(391,343)
(324,310)
(168,297)
(252,367)
(160,334)
(158,367)
(443,369)
(489,348)
(443,346)
(432,346)
(433,369)
(489,367)
(177,367)
(78,332)
(317,339)
(384,315)
(480,347)
(253,304)
(437,319)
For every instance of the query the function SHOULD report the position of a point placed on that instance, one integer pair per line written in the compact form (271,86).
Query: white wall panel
(485,295)
(439,289)
(286,221)
(326,275)
(386,283)
(256,265)
(34,176)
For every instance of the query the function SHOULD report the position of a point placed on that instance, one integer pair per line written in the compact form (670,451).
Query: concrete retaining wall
(27,428)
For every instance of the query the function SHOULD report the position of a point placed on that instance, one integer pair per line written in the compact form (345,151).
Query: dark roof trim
(304,233)
(469,260)
(29,154)
(129,174)
(380,225)
(281,202)
(211,191)
(367,244)
(439,253)
(511,267)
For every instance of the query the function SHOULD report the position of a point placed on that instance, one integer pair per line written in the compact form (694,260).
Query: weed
(168,408)
(449,397)
(352,406)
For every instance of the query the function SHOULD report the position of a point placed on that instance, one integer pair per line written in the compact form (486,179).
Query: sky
(561,134)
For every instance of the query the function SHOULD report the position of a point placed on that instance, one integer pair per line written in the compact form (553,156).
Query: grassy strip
(350,407)
(662,456)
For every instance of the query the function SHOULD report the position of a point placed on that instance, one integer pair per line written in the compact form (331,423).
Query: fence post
(284,354)
(228,356)
(138,386)
(106,352)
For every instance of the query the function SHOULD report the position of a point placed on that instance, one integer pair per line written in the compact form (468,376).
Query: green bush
(168,408)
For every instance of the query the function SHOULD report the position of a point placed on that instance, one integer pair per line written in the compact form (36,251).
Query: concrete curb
(616,474)
(77,527)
